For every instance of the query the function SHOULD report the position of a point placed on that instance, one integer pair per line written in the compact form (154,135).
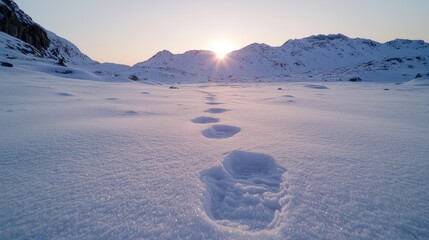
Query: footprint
(205,120)
(314,86)
(210,98)
(245,191)
(220,131)
(214,103)
(145,93)
(130,113)
(217,110)
(288,96)
(112,98)
(64,94)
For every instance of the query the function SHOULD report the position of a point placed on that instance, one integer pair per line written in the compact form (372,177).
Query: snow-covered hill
(35,41)
(317,58)
(322,57)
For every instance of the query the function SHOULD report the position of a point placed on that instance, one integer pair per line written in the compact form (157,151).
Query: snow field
(85,159)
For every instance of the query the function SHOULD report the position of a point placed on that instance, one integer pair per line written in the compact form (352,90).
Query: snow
(332,57)
(423,81)
(87,156)
(61,48)
(256,146)
(297,60)
(245,191)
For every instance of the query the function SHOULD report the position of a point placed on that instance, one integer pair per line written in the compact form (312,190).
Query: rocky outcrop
(16,23)
(37,40)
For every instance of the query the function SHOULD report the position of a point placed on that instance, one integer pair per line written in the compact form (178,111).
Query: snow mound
(423,82)
(245,191)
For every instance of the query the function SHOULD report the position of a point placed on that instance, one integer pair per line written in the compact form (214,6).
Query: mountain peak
(329,37)
(327,56)
(163,53)
(400,43)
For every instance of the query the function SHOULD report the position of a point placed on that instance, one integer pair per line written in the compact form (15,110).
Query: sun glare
(221,48)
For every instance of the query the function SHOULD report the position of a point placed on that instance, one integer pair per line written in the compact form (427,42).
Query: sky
(131,31)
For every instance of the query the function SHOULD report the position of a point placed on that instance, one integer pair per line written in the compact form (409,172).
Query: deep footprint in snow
(314,86)
(246,191)
(213,103)
(64,94)
(211,98)
(220,131)
(217,110)
(205,120)
(129,113)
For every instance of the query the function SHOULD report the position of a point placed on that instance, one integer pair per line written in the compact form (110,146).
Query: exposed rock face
(133,77)
(37,41)
(16,23)
(6,64)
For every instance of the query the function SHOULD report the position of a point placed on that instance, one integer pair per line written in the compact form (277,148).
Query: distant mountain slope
(39,42)
(316,58)
(326,57)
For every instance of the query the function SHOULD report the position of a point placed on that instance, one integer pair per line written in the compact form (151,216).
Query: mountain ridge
(313,55)
(332,57)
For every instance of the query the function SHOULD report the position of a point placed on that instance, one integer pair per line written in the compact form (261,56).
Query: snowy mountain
(323,57)
(35,41)
(316,58)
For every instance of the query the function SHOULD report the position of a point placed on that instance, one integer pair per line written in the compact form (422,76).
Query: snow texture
(86,153)
(90,159)
(244,191)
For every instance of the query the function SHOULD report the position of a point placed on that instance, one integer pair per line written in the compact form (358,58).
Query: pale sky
(131,31)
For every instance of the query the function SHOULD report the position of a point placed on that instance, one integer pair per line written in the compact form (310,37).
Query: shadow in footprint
(210,98)
(112,98)
(205,120)
(214,103)
(129,113)
(314,86)
(217,110)
(245,190)
(220,131)
(64,94)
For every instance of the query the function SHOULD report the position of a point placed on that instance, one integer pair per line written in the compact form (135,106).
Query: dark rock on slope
(18,24)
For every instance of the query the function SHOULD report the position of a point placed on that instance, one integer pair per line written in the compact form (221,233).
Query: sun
(221,48)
